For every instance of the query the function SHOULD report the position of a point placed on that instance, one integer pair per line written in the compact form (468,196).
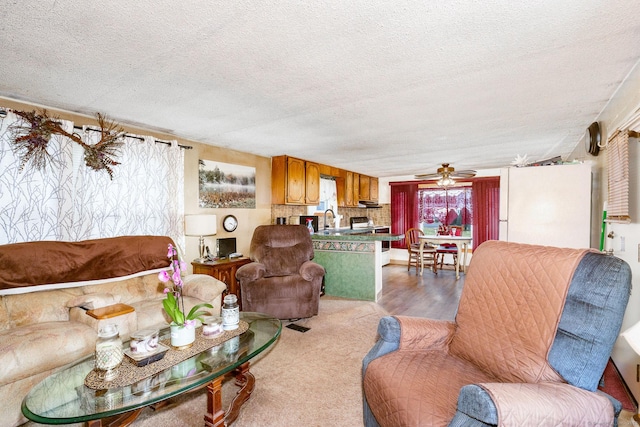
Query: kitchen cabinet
(356,189)
(329,170)
(295,185)
(297,182)
(348,189)
(340,184)
(373,189)
(351,189)
(364,188)
(312,183)
(368,188)
(294,181)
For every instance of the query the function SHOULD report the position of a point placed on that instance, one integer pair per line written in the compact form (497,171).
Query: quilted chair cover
(282,281)
(533,333)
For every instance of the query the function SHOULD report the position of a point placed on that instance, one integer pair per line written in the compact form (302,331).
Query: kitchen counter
(352,259)
(359,234)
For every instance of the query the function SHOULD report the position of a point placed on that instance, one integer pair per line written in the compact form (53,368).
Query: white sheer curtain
(73,202)
(33,204)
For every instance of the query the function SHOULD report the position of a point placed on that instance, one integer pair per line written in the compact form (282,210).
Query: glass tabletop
(62,398)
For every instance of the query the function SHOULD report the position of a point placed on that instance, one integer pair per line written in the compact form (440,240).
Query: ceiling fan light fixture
(445,182)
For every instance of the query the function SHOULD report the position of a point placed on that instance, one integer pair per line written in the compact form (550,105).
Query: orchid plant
(174,302)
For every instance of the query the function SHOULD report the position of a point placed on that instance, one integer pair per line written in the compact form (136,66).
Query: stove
(359,222)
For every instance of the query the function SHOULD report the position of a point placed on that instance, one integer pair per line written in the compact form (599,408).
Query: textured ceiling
(384,88)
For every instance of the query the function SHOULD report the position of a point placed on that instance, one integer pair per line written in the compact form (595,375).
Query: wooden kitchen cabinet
(373,189)
(348,189)
(351,189)
(297,182)
(225,271)
(329,170)
(351,186)
(340,186)
(312,183)
(295,185)
(368,188)
(294,181)
(364,188)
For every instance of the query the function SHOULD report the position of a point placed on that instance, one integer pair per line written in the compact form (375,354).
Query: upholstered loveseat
(48,288)
(532,336)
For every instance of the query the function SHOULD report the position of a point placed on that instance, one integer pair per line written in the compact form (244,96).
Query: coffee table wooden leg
(215,414)
(246,381)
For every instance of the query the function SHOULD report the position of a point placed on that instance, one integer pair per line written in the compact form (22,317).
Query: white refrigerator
(546,205)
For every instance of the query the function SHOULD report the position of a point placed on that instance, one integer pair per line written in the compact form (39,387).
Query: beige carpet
(306,379)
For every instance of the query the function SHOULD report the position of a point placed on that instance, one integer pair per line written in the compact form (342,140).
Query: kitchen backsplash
(380,216)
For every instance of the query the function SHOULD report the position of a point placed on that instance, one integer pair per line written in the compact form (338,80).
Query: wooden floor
(429,295)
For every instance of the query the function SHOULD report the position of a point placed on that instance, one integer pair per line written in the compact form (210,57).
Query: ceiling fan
(446,174)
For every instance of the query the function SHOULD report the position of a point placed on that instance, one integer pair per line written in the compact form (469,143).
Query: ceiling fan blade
(428,176)
(463,174)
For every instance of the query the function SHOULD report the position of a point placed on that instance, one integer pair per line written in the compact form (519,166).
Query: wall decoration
(70,202)
(223,185)
(32,133)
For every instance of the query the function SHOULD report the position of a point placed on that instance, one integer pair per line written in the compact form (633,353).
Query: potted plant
(183,327)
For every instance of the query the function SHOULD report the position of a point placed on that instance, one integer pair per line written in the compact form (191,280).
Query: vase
(182,337)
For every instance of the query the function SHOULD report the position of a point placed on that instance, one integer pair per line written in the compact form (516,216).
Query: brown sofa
(282,281)
(46,289)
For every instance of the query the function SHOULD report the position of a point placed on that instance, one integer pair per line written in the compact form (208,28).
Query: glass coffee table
(63,397)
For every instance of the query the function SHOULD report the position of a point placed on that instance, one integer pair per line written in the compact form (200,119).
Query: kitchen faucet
(326,225)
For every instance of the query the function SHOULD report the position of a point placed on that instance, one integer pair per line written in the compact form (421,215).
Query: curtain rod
(186,147)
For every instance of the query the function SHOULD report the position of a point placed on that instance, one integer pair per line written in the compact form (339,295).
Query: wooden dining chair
(448,248)
(412,238)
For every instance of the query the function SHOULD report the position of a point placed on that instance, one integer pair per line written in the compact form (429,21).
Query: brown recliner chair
(282,281)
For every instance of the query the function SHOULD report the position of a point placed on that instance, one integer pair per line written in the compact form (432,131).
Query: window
(328,197)
(449,207)
(618,177)
(474,207)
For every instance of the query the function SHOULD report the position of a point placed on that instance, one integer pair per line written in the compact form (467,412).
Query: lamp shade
(200,225)
(632,335)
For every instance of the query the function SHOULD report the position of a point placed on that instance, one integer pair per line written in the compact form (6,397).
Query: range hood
(368,204)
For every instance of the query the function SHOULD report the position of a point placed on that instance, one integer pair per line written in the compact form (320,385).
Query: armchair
(282,281)
(533,333)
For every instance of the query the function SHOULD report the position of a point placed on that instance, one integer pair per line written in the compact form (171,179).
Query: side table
(225,271)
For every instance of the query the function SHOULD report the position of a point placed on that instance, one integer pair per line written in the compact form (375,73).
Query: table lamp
(200,225)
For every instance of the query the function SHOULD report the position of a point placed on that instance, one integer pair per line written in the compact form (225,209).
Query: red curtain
(486,209)
(404,209)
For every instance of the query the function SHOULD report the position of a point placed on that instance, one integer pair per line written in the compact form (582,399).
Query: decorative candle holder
(144,341)
(212,326)
(109,352)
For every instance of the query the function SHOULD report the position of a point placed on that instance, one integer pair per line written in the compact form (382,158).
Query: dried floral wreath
(31,137)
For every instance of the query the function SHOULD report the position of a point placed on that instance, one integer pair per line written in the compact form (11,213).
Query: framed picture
(224,185)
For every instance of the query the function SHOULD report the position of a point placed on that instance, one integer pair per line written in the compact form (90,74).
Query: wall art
(224,185)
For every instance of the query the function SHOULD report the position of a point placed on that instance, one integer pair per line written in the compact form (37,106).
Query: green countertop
(364,234)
